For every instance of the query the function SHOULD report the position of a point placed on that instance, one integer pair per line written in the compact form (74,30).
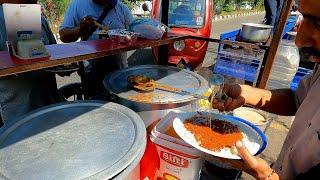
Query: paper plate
(255,141)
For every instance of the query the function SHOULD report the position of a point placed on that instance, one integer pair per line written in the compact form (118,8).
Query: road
(144,56)
(221,26)
(225,25)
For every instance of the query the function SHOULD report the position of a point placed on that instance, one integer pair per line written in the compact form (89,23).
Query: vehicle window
(187,13)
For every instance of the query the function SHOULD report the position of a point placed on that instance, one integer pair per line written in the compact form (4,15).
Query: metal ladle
(146,84)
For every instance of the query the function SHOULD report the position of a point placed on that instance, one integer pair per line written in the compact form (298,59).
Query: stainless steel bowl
(257,33)
(268,117)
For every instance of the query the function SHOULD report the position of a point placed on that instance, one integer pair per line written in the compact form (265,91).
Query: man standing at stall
(79,22)
(273,9)
(22,93)
(300,155)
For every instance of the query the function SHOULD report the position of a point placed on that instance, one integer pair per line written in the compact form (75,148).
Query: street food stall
(137,135)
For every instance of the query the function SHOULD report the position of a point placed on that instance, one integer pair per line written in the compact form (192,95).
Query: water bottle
(285,66)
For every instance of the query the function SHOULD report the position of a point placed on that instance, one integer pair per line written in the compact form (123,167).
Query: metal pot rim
(257,25)
(180,101)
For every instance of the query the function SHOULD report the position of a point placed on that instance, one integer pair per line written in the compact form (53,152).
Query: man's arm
(280,101)
(83,30)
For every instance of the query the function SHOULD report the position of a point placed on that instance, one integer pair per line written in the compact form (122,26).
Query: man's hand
(86,26)
(233,101)
(254,166)
(68,35)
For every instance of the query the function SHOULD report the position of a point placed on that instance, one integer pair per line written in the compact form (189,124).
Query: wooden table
(76,52)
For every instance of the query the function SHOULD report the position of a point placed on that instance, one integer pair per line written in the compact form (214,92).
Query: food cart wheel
(72,92)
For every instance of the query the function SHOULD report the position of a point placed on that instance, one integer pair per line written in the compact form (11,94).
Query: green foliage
(219,1)
(260,4)
(229,5)
(129,3)
(218,6)
(228,8)
(55,9)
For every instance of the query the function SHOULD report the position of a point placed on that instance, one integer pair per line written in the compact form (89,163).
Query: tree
(55,9)
(129,3)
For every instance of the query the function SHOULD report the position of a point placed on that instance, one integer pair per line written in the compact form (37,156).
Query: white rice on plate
(249,140)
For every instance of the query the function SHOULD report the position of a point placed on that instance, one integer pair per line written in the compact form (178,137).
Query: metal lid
(116,83)
(72,141)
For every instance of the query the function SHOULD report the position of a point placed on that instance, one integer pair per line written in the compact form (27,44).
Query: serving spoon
(146,84)
(104,28)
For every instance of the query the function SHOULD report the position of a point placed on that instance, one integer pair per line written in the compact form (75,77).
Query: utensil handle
(158,86)
(100,26)
(198,96)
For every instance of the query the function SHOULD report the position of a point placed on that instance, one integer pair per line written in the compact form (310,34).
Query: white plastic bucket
(178,160)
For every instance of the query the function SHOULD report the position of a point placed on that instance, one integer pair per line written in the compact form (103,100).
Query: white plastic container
(163,125)
(275,84)
(247,114)
(282,76)
(178,160)
(285,66)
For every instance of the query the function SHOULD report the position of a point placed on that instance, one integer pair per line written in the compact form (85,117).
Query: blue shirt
(119,17)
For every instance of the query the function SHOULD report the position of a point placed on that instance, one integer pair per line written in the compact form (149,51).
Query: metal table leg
(84,80)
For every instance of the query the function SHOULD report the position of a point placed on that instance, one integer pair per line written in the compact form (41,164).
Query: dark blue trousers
(273,10)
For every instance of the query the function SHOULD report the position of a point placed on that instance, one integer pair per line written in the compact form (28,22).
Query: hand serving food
(253,165)
(234,100)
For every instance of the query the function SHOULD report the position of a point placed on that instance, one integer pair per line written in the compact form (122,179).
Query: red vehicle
(187,17)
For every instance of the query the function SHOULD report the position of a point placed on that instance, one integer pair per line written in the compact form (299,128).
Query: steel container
(163,102)
(81,140)
(267,116)
(257,33)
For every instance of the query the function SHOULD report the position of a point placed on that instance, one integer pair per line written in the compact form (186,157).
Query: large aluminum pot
(80,140)
(257,33)
(161,102)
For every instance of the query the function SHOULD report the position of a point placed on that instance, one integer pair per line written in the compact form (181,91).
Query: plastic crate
(238,69)
(238,63)
(245,66)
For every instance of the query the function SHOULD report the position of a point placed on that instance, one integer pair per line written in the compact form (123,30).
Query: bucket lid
(189,81)
(89,139)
